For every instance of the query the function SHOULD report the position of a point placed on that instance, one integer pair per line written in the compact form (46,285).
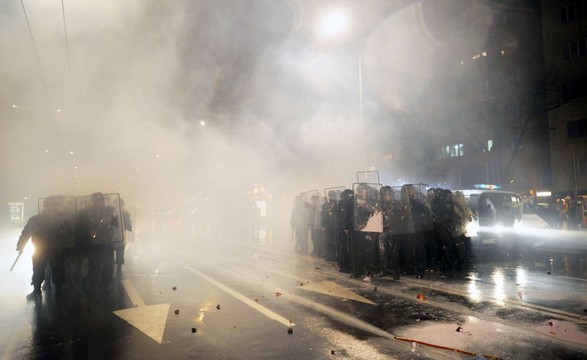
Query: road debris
(290,331)
(194,330)
(174,288)
(218,306)
(176,312)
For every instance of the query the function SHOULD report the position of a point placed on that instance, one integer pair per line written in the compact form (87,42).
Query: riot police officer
(49,232)
(95,231)
(364,241)
(329,225)
(344,216)
(392,210)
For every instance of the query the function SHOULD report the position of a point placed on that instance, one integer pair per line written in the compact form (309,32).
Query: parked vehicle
(498,215)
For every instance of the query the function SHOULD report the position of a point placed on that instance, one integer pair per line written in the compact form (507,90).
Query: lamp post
(335,23)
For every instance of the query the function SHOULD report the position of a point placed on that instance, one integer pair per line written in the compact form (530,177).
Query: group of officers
(383,230)
(72,245)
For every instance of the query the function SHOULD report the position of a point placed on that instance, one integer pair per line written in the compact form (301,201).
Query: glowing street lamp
(334,23)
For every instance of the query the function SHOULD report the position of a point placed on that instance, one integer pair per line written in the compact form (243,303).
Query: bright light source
(58,110)
(71,153)
(544,193)
(14,106)
(334,23)
(202,122)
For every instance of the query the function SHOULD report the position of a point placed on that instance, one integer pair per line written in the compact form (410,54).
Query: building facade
(489,108)
(565,54)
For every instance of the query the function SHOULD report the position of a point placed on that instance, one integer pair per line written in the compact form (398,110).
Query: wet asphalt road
(185,298)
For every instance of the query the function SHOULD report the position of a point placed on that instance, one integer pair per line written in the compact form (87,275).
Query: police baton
(12,267)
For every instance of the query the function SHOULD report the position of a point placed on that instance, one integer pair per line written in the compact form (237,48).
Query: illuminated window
(455,150)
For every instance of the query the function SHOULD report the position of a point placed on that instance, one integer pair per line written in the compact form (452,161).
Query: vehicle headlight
(471,229)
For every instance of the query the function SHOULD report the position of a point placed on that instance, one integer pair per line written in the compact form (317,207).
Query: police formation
(383,230)
(75,240)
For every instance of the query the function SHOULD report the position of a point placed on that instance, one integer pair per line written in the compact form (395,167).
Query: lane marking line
(263,310)
(134,296)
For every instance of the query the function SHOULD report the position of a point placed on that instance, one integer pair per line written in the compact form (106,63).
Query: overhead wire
(66,39)
(43,81)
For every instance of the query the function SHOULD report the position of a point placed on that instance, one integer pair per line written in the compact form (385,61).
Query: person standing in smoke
(344,216)
(363,243)
(299,225)
(119,239)
(313,210)
(444,214)
(392,216)
(49,232)
(95,230)
(413,246)
(329,226)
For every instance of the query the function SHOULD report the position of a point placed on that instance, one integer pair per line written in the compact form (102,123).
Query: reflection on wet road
(185,298)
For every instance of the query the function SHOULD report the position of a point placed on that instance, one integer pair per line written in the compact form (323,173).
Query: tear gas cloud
(134,80)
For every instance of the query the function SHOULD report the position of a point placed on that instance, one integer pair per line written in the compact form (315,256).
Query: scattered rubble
(218,306)
(176,312)
(194,330)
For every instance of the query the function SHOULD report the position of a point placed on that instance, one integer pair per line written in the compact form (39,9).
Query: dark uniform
(393,213)
(120,244)
(364,243)
(48,231)
(95,232)
(329,226)
(344,217)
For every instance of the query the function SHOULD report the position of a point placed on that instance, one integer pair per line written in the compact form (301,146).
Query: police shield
(462,214)
(311,201)
(420,207)
(58,214)
(399,212)
(100,222)
(333,193)
(367,208)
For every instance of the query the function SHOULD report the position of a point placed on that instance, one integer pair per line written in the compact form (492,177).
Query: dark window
(577,129)
(575,89)
(573,11)
(575,49)
(582,165)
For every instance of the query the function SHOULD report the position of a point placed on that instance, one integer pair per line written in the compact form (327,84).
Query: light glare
(333,23)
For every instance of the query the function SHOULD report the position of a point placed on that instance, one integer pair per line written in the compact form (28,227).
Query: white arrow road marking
(149,319)
(332,288)
(324,287)
(263,310)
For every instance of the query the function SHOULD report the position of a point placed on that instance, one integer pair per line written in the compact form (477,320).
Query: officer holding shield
(96,226)
(48,232)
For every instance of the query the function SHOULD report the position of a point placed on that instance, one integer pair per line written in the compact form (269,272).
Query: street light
(334,24)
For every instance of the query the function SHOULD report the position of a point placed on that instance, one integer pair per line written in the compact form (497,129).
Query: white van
(497,216)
